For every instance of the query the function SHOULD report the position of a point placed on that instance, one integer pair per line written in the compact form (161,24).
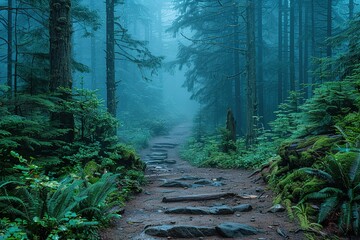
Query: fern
(339,195)
(64,199)
(93,205)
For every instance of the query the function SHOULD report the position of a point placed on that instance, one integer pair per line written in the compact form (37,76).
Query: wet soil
(147,209)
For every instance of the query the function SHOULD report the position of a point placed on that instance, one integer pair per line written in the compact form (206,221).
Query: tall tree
(93,53)
(10,45)
(306,37)
(301,46)
(60,44)
(251,72)
(286,59)
(110,57)
(329,27)
(292,45)
(260,57)
(60,59)
(280,52)
(237,74)
(351,9)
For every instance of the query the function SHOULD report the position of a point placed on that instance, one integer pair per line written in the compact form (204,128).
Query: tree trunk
(292,45)
(351,9)
(306,50)
(93,54)
(260,58)
(286,49)
(313,43)
(237,70)
(328,35)
(10,49)
(329,27)
(60,41)
(301,49)
(280,53)
(251,72)
(60,59)
(110,58)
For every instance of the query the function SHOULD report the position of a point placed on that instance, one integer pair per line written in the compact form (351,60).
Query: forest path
(147,210)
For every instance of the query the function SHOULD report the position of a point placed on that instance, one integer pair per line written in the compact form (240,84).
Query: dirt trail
(147,208)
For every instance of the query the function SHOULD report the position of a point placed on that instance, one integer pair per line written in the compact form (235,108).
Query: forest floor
(147,208)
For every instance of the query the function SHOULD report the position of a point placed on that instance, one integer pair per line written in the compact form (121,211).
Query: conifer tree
(60,56)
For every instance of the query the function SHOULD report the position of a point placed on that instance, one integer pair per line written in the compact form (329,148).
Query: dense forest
(269,85)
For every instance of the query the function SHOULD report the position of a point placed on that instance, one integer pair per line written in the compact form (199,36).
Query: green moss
(91,171)
(324,143)
(307,142)
(346,158)
(306,152)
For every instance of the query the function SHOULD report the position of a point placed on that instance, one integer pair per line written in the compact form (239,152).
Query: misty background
(205,57)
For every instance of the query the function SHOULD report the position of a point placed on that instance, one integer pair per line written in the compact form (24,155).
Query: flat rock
(156,162)
(188,210)
(217,184)
(242,208)
(158,157)
(175,184)
(231,230)
(158,150)
(221,210)
(180,231)
(188,178)
(218,210)
(163,145)
(170,161)
(203,182)
(276,208)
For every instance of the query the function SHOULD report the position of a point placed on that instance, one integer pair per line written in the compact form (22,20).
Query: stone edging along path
(182,201)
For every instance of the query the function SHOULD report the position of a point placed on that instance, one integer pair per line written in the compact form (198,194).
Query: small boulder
(276,208)
(231,230)
(221,210)
(180,231)
(175,184)
(242,208)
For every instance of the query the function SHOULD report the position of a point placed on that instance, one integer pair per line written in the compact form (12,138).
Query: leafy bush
(340,195)
(209,153)
(44,208)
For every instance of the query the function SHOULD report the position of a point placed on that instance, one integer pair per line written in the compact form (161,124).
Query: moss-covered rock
(305,152)
(91,171)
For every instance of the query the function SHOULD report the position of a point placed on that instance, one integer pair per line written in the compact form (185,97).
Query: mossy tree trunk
(10,49)
(60,60)
(251,72)
(231,125)
(110,58)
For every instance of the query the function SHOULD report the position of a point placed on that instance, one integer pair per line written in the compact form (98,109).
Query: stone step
(165,161)
(199,197)
(216,210)
(158,157)
(226,229)
(163,145)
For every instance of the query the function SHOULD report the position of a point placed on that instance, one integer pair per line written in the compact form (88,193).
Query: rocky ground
(182,201)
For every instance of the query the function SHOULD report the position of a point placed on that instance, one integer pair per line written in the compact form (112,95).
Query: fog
(176,59)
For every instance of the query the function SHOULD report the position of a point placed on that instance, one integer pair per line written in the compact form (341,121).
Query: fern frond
(332,191)
(336,170)
(97,194)
(327,207)
(355,219)
(354,169)
(319,173)
(63,200)
(345,220)
(315,196)
(98,191)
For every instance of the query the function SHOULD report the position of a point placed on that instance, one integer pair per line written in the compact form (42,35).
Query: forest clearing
(167,119)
